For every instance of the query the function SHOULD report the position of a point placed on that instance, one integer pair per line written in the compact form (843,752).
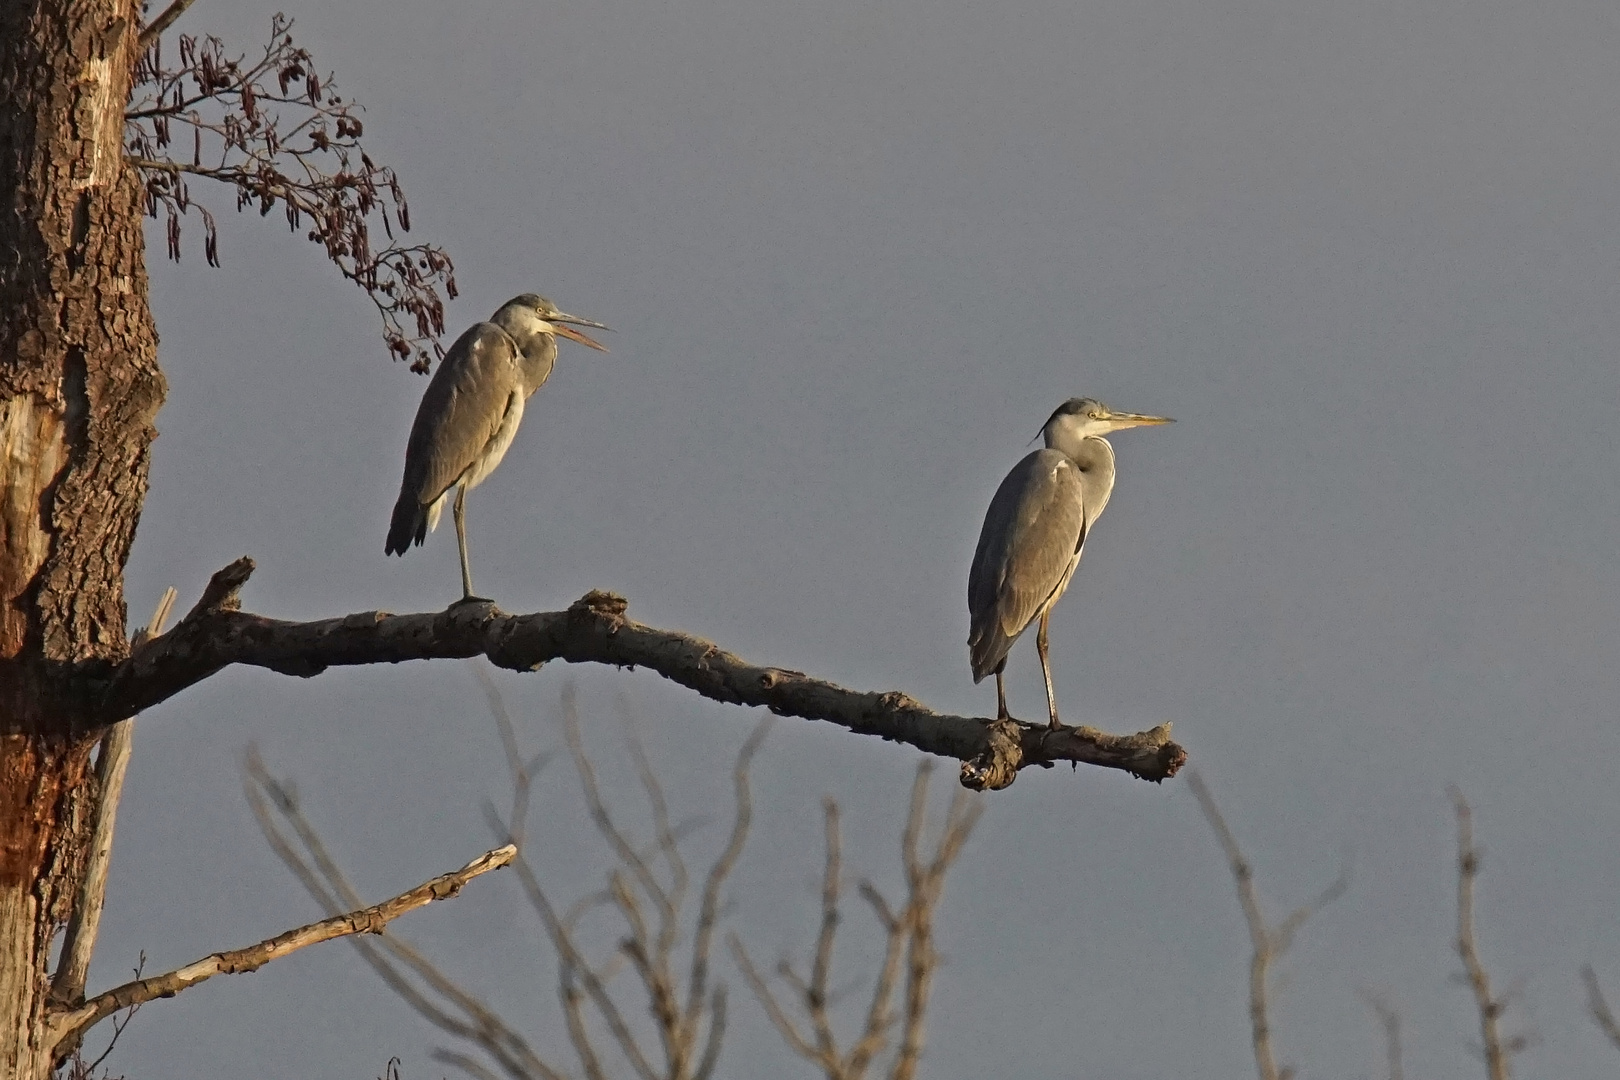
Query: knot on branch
(442,890)
(997,765)
(597,602)
(771,678)
(373,921)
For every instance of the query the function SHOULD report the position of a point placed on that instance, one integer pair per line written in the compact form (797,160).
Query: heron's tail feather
(987,649)
(409,525)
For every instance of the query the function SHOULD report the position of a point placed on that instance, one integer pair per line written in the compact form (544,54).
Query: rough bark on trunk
(79,387)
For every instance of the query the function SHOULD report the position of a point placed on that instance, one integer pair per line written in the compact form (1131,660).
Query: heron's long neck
(539,353)
(1095,457)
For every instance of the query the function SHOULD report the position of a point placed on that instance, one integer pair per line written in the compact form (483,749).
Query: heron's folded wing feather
(461,410)
(1033,528)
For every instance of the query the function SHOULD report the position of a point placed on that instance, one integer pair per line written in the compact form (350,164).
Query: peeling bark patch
(24,809)
(97,123)
(33,452)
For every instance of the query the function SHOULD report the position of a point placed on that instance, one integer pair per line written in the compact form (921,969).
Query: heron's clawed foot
(471,599)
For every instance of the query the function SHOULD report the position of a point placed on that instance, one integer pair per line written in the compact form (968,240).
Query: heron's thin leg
(1046,669)
(461,542)
(1001,697)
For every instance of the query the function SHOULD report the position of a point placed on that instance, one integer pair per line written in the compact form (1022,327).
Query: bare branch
(663,830)
(909,944)
(595,630)
(1268,945)
(1498,1053)
(466,1063)
(71,1023)
(155,28)
(79,942)
(717,1033)
(395,961)
(709,906)
(1599,1006)
(773,1008)
(817,993)
(1390,1021)
(600,816)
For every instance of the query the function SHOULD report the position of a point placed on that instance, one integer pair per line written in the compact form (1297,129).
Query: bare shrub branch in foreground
(660,963)
(649,1003)
(1598,1005)
(1498,1050)
(1268,943)
(1390,1021)
(910,960)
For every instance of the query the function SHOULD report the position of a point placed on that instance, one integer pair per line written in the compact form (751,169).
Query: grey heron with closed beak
(470,412)
(1034,532)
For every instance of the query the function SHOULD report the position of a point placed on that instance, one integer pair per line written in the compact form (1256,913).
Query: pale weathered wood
(596,630)
(79,941)
(69,1024)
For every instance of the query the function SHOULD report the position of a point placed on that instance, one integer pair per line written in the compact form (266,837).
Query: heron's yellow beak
(1119,421)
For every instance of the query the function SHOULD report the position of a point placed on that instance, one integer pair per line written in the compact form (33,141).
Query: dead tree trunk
(79,387)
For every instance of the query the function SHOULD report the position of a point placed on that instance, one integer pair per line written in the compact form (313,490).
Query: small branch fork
(659,941)
(68,1025)
(216,634)
(1498,1050)
(910,960)
(1269,944)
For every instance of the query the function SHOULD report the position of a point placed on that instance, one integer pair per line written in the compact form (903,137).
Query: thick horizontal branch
(69,1025)
(595,630)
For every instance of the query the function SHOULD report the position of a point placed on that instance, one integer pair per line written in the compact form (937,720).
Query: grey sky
(854,254)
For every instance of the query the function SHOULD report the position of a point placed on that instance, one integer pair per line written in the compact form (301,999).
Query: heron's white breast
(490,456)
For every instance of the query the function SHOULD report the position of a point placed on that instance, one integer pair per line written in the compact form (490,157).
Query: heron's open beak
(1119,421)
(560,321)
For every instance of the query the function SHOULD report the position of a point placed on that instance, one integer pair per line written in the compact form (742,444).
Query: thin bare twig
(908,944)
(454,1010)
(1498,1051)
(1599,1006)
(690,1031)
(1267,944)
(1390,1021)
(69,1024)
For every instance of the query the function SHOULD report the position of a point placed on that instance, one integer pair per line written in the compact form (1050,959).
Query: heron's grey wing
(1031,532)
(461,410)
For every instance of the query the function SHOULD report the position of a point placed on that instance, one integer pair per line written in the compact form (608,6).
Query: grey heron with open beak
(470,412)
